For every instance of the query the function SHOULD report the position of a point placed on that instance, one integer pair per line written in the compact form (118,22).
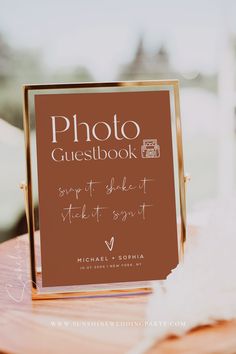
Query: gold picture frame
(110,289)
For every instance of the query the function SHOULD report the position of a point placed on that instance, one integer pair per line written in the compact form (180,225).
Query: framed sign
(105,166)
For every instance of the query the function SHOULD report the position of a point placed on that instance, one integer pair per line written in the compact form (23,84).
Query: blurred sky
(102,34)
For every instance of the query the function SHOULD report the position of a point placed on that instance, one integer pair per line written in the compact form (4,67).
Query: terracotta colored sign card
(107,205)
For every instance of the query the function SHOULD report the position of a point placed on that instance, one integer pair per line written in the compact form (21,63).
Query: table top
(87,326)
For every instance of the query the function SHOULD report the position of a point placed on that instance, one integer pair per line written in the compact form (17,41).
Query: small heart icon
(110,244)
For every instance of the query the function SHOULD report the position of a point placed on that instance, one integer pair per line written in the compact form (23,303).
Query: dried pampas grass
(202,289)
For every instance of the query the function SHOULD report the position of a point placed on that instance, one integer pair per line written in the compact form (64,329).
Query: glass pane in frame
(32,181)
